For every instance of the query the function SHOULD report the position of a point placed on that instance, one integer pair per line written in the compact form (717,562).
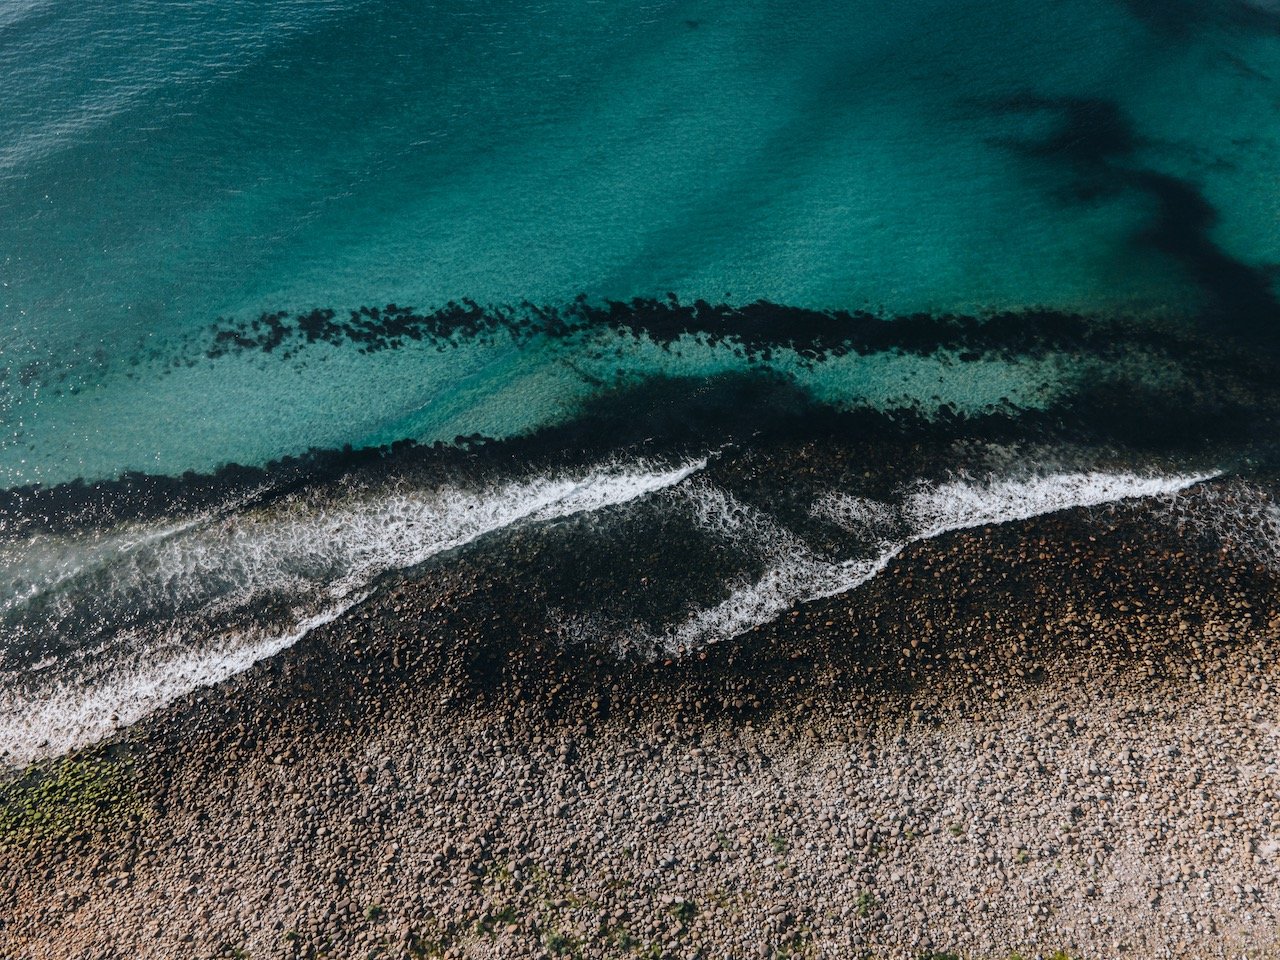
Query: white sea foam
(39,564)
(337,549)
(865,518)
(796,574)
(232,559)
(331,551)
(959,504)
(1242,516)
(65,717)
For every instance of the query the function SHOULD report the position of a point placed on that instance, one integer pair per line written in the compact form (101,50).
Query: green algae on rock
(56,798)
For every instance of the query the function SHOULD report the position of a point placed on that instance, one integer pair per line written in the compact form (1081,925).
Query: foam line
(348,544)
(66,718)
(961,504)
(234,558)
(798,575)
(1240,515)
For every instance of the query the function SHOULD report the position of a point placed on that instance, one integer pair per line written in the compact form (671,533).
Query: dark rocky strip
(1225,419)
(757,328)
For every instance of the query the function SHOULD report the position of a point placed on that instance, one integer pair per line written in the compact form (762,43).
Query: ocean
(738,300)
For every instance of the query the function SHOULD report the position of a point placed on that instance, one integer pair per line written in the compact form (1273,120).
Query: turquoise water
(163,165)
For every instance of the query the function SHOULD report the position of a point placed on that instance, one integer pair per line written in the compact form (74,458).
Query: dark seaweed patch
(370,328)
(1242,294)
(1095,139)
(757,328)
(674,417)
(1182,19)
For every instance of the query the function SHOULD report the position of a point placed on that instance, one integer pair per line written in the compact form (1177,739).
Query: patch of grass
(503,917)
(54,798)
(955,830)
(560,943)
(684,911)
(721,899)
(623,940)
(779,843)
(864,904)
(421,948)
(373,912)
(795,946)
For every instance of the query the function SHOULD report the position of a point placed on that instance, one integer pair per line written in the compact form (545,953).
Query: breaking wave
(795,573)
(151,617)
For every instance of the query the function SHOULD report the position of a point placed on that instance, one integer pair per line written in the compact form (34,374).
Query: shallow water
(165,167)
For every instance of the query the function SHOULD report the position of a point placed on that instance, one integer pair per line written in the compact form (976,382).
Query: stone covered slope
(998,746)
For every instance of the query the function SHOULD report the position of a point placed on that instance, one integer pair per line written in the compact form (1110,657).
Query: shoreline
(885,773)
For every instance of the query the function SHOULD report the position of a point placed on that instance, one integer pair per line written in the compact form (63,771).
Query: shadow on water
(1182,19)
(1096,141)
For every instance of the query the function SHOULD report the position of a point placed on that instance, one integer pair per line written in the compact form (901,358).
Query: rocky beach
(1049,738)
